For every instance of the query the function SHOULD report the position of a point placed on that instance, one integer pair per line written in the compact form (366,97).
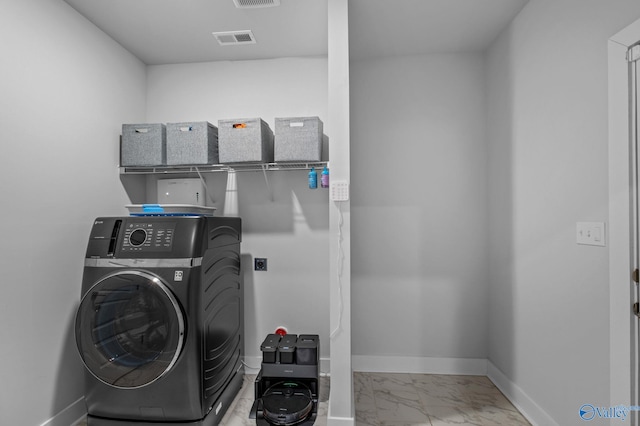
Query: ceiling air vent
(248,4)
(229,38)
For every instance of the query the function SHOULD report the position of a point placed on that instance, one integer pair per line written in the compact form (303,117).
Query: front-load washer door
(129,329)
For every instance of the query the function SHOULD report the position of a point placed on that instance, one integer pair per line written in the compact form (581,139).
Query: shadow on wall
(282,204)
(282,200)
(325,148)
(69,381)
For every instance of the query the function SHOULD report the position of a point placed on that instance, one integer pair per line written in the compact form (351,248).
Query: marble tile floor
(394,399)
(399,399)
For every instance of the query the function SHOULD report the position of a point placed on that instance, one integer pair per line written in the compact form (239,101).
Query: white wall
(549,310)
(292,230)
(419,205)
(66,87)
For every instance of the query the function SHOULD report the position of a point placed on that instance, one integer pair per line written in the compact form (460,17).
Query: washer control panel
(149,236)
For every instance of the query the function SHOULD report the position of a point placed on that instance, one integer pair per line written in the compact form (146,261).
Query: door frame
(621,355)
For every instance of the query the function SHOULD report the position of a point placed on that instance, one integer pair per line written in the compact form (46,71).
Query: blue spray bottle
(324,178)
(313,179)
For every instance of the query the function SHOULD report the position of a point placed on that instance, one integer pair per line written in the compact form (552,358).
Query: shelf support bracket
(266,180)
(206,188)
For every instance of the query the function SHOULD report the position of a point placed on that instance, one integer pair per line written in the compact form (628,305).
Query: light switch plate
(590,233)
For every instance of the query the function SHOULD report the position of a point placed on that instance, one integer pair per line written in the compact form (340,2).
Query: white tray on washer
(169,210)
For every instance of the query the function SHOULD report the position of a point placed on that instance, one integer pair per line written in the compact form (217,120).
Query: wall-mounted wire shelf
(212,168)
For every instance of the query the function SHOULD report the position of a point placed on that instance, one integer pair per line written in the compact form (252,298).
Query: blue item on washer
(152,208)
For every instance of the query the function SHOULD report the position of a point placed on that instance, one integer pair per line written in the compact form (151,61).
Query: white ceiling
(405,27)
(179,31)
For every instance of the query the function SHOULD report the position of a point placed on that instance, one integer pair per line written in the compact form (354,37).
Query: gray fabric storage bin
(143,145)
(192,143)
(245,140)
(298,139)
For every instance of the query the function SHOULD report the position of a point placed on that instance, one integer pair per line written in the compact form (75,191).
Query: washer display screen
(148,237)
(137,237)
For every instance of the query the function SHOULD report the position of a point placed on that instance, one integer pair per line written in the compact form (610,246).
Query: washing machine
(160,323)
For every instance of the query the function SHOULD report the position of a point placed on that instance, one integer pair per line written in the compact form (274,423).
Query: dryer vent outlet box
(181,191)
(260,264)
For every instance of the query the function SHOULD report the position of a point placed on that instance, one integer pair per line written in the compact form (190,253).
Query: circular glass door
(129,329)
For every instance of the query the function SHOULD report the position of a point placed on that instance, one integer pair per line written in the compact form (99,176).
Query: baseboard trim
(340,421)
(527,406)
(69,416)
(421,365)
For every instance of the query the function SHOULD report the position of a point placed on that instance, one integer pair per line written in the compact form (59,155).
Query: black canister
(308,349)
(287,349)
(269,348)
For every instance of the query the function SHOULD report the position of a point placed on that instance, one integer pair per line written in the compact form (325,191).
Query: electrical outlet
(260,264)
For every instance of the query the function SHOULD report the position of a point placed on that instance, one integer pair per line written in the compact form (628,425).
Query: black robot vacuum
(286,389)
